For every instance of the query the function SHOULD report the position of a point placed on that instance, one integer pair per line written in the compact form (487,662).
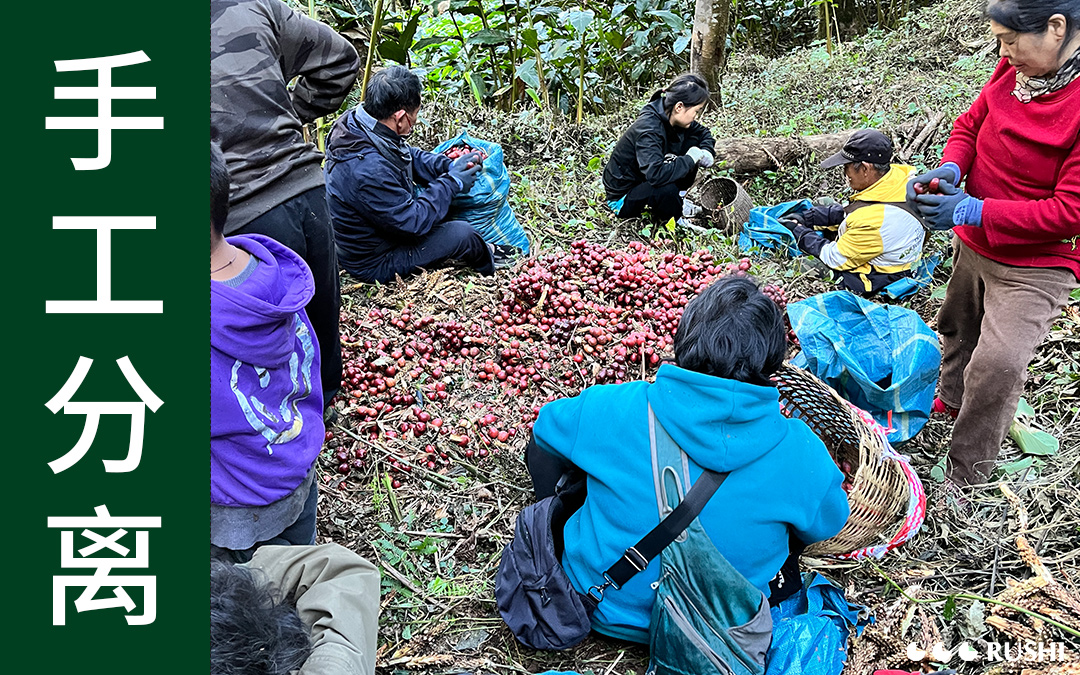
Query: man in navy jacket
(389,201)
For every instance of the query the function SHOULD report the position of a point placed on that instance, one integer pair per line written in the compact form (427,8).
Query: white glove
(706,160)
(696,154)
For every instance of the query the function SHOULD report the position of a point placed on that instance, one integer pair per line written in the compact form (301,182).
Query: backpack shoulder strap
(636,558)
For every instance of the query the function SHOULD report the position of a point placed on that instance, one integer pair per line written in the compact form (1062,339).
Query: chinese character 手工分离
(94,411)
(104,304)
(102,566)
(104,93)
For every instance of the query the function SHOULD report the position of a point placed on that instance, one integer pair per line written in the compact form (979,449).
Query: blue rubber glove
(462,173)
(951,207)
(948,171)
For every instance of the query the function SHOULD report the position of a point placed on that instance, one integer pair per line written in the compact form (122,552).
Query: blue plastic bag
(882,358)
(764,231)
(486,206)
(811,629)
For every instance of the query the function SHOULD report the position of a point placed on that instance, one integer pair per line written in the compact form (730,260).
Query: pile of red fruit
(456,151)
(433,390)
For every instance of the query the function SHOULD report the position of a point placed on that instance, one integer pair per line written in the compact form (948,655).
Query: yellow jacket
(877,234)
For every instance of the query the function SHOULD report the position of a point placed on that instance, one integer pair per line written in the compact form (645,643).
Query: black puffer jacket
(653,150)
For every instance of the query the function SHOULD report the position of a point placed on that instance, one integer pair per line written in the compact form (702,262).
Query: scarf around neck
(1028,88)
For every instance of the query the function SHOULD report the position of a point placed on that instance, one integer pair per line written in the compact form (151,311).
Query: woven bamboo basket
(881,490)
(726,202)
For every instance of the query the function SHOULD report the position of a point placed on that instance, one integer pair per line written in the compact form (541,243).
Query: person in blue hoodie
(389,201)
(266,402)
(719,405)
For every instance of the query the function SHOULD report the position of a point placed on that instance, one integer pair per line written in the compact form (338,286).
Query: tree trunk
(753,154)
(708,42)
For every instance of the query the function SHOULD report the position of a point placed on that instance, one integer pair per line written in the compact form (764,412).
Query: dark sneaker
(505,255)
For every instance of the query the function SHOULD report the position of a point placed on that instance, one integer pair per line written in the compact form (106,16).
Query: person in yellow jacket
(875,239)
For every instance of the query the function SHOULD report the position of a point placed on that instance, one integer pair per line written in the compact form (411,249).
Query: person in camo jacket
(258,47)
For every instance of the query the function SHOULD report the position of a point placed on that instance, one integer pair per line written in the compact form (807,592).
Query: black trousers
(663,202)
(303,225)
(449,243)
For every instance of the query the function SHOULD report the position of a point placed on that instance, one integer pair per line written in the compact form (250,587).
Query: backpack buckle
(597,592)
(635,558)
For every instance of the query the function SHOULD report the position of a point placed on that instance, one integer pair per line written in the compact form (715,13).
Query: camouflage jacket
(257,47)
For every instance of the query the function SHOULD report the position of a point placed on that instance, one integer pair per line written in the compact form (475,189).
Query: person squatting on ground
(656,160)
(720,407)
(1016,224)
(257,47)
(877,238)
(266,405)
(307,609)
(388,200)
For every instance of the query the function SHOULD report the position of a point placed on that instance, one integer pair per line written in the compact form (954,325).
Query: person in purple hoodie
(266,424)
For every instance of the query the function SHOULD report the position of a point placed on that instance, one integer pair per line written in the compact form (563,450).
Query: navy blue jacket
(376,204)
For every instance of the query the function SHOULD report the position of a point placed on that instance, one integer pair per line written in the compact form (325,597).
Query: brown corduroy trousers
(993,319)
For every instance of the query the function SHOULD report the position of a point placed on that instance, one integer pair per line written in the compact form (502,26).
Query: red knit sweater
(1023,160)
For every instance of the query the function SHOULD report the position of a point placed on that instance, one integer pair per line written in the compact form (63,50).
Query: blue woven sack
(764,232)
(882,358)
(486,206)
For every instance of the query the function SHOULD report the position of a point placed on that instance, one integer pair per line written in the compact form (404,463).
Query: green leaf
(526,72)
(580,20)
(594,163)
(1024,409)
(939,292)
(429,41)
(406,39)
(392,51)
(545,11)
(476,85)
(1017,466)
(937,472)
(535,97)
(950,608)
(488,36)
(615,38)
(1075,295)
(673,21)
(681,43)
(1033,441)
(528,36)
(617,10)
(670,225)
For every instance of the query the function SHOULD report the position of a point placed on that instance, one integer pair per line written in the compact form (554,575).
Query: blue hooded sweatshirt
(781,476)
(266,425)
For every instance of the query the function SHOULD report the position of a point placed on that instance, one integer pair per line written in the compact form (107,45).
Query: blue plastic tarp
(811,629)
(882,358)
(764,232)
(486,206)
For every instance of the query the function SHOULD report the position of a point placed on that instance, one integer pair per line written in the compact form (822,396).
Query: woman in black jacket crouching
(656,160)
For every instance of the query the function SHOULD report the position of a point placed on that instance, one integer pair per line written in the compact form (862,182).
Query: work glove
(948,172)
(698,155)
(463,170)
(706,160)
(809,240)
(948,208)
(792,220)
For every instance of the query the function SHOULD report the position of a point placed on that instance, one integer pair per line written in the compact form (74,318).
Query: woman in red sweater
(1016,224)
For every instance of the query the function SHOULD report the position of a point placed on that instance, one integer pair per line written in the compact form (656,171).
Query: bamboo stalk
(581,82)
(376,26)
(828,28)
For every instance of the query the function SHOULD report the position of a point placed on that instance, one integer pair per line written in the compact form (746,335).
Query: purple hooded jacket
(266,424)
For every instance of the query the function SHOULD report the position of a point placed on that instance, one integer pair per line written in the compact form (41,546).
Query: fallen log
(754,154)
(750,154)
